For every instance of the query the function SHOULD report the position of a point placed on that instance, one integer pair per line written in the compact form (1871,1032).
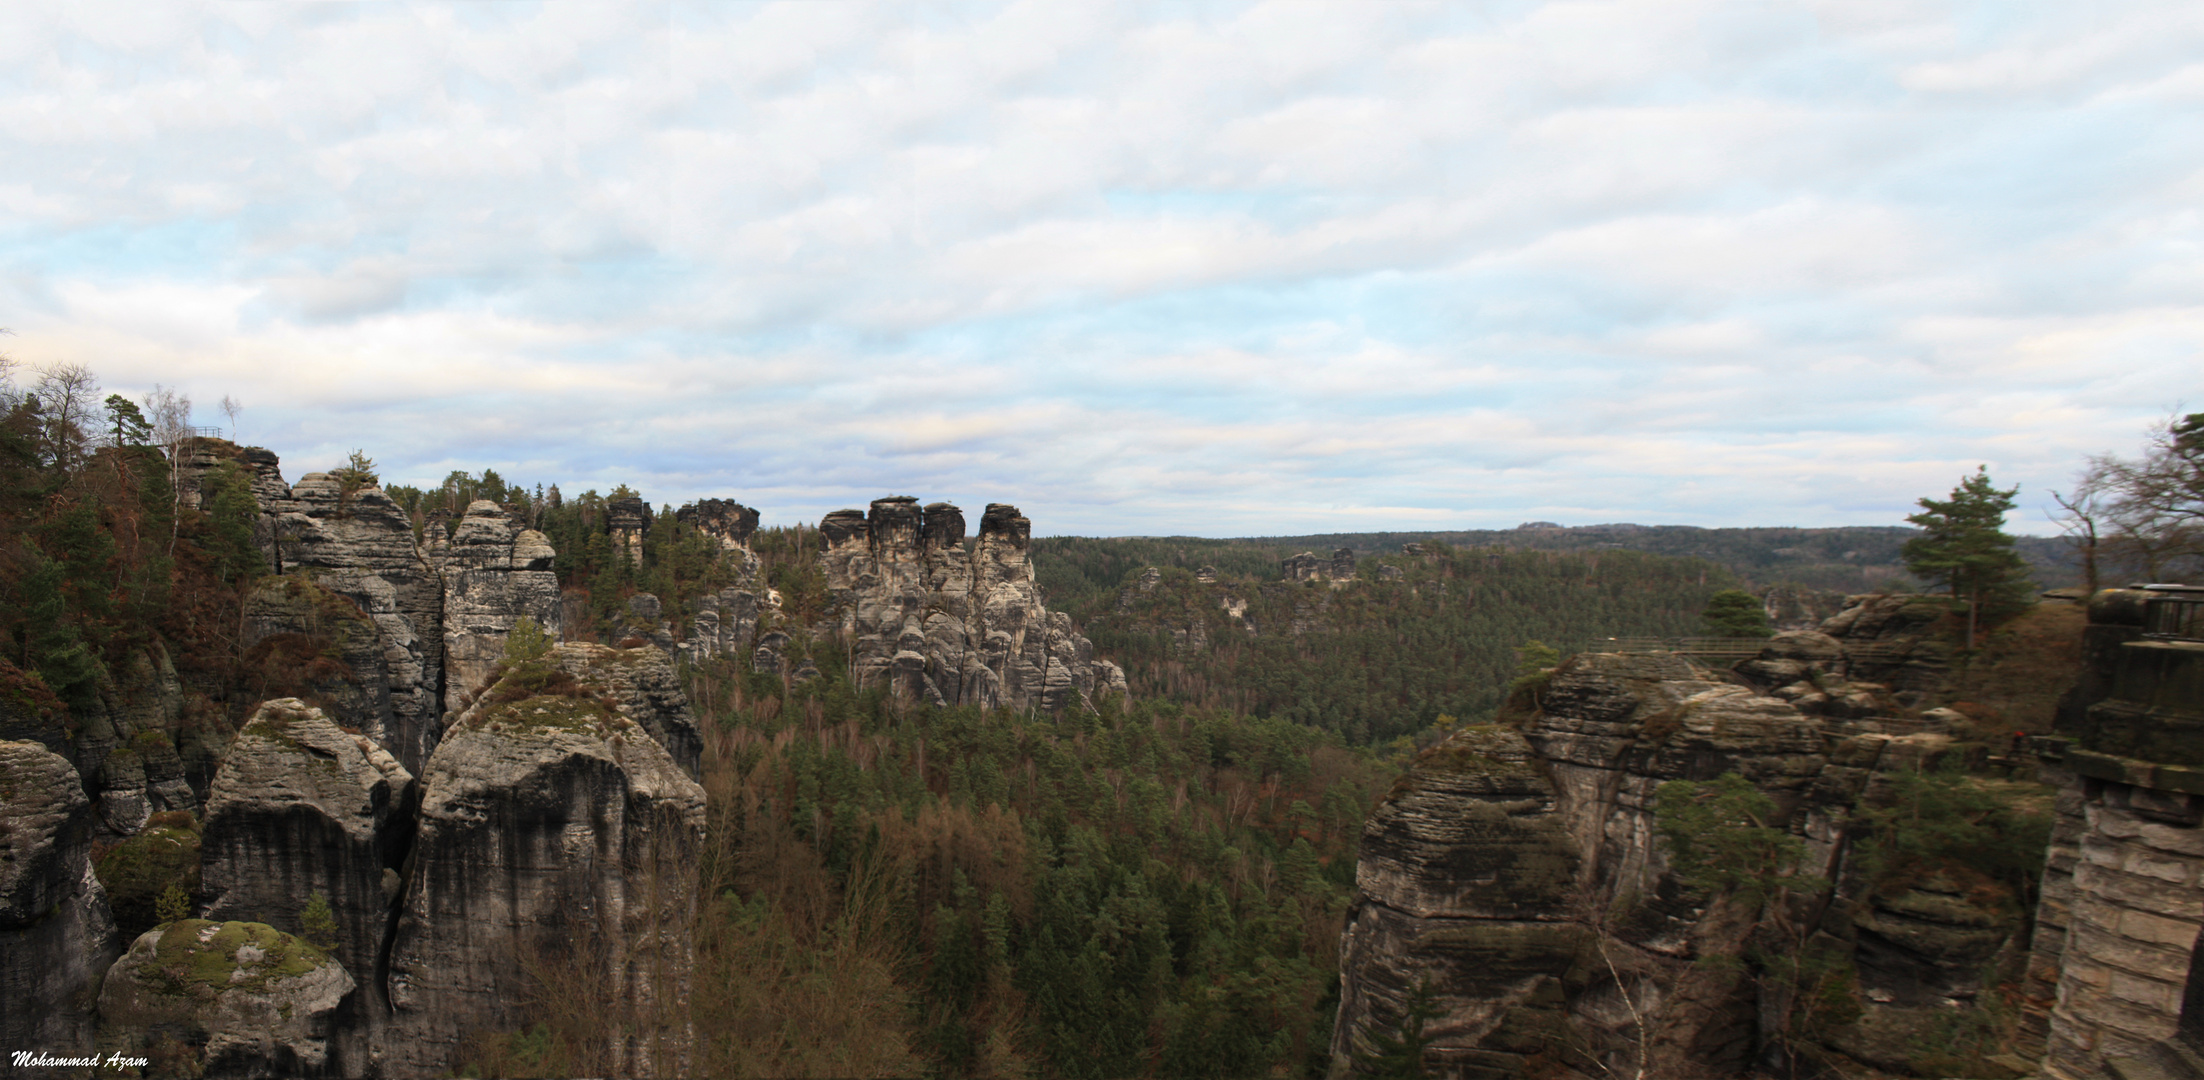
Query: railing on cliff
(1742,648)
(2173,612)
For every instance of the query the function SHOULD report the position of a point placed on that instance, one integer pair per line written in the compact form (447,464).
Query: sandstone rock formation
(1520,872)
(300,807)
(360,546)
(494,574)
(725,520)
(949,625)
(1307,567)
(56,935)
(253,1001)
(641,683)
(417,623)
(629,519)
(555,833)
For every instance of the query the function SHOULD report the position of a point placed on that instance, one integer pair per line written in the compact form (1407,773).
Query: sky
(1206,269)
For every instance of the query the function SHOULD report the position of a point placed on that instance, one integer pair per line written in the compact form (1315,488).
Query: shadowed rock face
(56,935)
(950,626)
(1488,867)
(1463,885)
(301,807)
(420,624)
(263,1002)
(554,831)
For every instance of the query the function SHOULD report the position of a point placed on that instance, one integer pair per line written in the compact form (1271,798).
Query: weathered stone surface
(1463,880)
(256,1001)
(494,574)
(1483,868)
(555,830)
(361,547)
(629,520)
(301,807)
(725,520)
(293,624)
(644,687)
(56,935)
(942,624)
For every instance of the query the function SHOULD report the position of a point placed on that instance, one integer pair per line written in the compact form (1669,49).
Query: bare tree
(230,408)
(171,416)
(2145,516)
(67,395)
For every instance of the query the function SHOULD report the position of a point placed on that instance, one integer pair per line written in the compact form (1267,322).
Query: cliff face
(299,808)
(56,935)
(557,844)
(1519,875)
(948,625)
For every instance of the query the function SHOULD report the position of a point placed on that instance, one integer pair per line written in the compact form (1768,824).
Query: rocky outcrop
(416,623)
(495,574)
(556,837)
(1307,567)
(302,808)
(56,935)
(1519,872)
(724,520)
(642,685)
(1463,889)
(246,998)
(1888,639)
(360,546)
(950,625)
(629,520)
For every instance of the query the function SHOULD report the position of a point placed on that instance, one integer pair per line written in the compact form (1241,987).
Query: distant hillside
(1075,571)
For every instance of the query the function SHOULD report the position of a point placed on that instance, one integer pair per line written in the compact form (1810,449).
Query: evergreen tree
(1735,613)
(1964,548)
(126,423)
(1399,1051)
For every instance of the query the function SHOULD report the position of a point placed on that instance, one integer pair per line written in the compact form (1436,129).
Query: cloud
(1230,268)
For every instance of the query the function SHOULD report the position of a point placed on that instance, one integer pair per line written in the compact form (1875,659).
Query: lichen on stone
(200,958)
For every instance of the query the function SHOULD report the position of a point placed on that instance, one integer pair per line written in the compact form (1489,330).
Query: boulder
(56,935)
(253,1000)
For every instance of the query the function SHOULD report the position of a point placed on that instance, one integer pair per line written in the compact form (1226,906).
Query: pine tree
(1735,613)
(1964,548)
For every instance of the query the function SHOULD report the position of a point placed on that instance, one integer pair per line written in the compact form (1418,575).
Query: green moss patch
(136,871)
(538,694)
(197,957)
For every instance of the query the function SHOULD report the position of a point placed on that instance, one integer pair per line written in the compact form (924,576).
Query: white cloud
(1242,268)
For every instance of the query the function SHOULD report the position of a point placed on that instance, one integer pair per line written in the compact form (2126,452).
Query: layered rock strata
(2117,956)
(557,840)
(246,998)
(299,808)
(57,936)
(938,622)
(495,574)
(1520,872)
(439,607)
(360,546)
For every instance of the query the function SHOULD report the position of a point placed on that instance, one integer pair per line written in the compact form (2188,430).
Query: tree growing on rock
(1735,613)
(1964,548)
